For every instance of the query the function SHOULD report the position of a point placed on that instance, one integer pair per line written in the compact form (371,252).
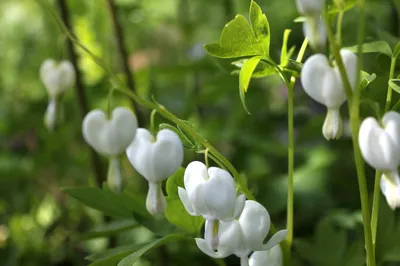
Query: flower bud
(310,7)
(323,83)
(333,125)
(54,114)
(271,257)
(157,158)
(390,187)
(155,201)
(115,180)
(210,193)
(112,136)
(380,145)
(315,31)
(57,77)
(245,235)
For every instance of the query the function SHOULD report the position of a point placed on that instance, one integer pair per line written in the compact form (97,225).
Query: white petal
(139,153)
(220,194)
(186,202)
(255,223)
(350,64)
(271,257)
(310,7)
(314,30)
(57,78)
(195,174)
(391,122)
(391,192)
(240,201)
(333,125)
(276,239)
(203,246)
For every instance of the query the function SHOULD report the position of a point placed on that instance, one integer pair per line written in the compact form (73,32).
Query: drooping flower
(155,159)
(323,83)
(271,257)
(310,7)
(57,77)
(380,144)
(390,188)
(244,235)
(110,137)
(211,193)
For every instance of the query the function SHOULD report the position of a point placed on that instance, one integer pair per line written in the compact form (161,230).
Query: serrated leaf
(112,228)
(131,259)
(395,84)
(373,47)
(244,77)
(260,26)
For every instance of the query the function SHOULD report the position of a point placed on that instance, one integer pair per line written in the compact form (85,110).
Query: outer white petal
(195,177)
(315,31)
(167,154)
(321,83)
(186,202)
(391,122)
(310,7)
(377,146)
(255,223)
(66,75)
(350,63)
(276,239)
(240,201)
(140,151)
(220,194)
(272,257)
(109,137)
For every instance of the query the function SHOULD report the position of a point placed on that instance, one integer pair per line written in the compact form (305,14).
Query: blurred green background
(39,225)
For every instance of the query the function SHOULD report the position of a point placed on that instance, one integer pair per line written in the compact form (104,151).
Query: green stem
(353,105)
(290,199)
(339,27)
(389,91)
(375,206)
(152,123)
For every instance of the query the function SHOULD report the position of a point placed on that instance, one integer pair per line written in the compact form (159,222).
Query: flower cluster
(234,225)
(380,146)
(57,77)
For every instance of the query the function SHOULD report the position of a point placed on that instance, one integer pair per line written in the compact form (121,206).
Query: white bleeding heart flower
(109,136)
(244,235)
(211,193)
(310,7)
(271,257)
(155,158)
(323,83)
(315,31)
(390,187)
(380,144)
(57,77)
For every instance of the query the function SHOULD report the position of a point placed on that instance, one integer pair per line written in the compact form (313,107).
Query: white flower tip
(333,125)
(314,30)
(276,239)
(155,201)
(186,202)
(205,248)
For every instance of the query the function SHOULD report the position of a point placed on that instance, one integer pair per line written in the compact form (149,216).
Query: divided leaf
(373,47)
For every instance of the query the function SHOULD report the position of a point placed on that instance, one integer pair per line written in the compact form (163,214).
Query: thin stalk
(290,200)
(124,56)
(353,100)
(339,27)
(375,206)
(389,90)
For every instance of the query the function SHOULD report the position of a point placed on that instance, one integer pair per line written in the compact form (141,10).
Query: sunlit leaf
(373,47)
(284,49)
(244,77)
(112,228)
(260,26)
(395,84)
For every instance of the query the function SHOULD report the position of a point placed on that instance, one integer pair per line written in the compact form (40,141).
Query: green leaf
(300,19)
(349,4)
(131,259)
(366,79)
(395,84)
(112,228)
(187,141)
(260,26)
(373,47)
(244,77)
(176,212)
(113,254)
(284,51)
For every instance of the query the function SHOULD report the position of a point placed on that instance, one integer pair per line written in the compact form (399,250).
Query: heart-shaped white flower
(310,7)
(245,235)
(380,145)
(112,136)
(155,158)
(57,77)
(323,83)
